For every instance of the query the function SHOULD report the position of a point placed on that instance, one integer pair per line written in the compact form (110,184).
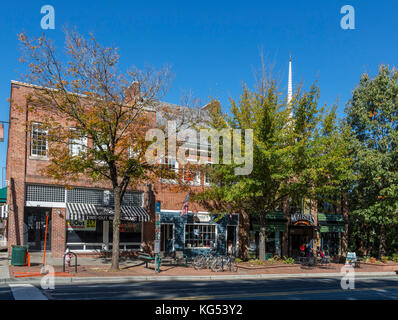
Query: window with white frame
(200,235)
(77,145)
(39,141)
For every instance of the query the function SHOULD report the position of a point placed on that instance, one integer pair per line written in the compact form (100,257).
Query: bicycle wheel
(216,265)
(210,261)
(198,262)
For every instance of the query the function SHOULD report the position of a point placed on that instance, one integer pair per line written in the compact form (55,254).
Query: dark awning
(82,211)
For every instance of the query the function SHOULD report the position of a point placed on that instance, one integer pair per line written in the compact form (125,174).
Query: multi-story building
(79,217)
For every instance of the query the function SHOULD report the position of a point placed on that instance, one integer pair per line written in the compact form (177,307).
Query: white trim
(45,204)
(179,211)
(202,224)
(40,131)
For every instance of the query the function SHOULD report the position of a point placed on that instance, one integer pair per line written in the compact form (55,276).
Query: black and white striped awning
(4,211)
(83,211)
(80,211)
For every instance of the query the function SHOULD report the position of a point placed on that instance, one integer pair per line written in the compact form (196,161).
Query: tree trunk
(262,239)
(344,238)
(116,230)
(382,244)
(262,244)
(244,232)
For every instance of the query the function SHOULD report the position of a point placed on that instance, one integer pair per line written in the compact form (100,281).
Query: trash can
(18,255)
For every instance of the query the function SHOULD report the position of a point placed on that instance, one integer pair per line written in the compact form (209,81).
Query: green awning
(271,227)
(332,228)
(275,216)
(3,195)
(330,217)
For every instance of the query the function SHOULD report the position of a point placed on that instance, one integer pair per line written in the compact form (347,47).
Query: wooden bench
(147,258)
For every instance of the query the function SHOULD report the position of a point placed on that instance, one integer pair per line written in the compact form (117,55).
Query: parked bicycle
(204,261)
(222,263)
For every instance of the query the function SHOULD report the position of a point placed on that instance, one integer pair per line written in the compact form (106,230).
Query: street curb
(78,280)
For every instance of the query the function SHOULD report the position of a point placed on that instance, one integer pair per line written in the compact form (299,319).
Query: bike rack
(63,261)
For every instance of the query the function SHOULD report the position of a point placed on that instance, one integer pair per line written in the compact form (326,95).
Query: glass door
(167,238)
(35,220)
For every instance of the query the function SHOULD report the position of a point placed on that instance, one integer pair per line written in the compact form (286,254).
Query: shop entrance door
(231,240)
(167,237)
(35,220)
(299,236)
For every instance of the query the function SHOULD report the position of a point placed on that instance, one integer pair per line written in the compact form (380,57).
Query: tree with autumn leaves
(103,111)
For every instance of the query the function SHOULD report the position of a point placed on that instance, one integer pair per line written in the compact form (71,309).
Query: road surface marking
(26,292)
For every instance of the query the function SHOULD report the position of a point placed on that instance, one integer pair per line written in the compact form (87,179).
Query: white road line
(26,292)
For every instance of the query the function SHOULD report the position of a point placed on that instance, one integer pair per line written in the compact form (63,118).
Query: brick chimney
(132,93)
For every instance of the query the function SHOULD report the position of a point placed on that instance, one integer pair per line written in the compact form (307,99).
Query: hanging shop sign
(203,217)
(301,218)
(87,225)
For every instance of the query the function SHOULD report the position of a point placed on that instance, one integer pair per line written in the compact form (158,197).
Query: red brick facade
(22,169)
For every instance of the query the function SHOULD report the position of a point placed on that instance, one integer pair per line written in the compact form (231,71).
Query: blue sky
(213,46)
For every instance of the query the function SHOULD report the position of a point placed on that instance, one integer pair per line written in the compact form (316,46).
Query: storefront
(275,227)
(331,229)
(81,219)
(302,231)
(196,233)
(90,227)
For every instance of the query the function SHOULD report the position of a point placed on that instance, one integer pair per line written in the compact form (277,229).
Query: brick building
(80,216)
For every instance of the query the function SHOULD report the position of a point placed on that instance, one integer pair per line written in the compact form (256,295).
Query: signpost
(157,232)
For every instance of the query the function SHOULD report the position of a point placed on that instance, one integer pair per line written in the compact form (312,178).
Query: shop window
(129,232)
(89,231)
(39,141)
(199,235)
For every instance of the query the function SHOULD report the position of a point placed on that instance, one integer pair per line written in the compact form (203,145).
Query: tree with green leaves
(372,116)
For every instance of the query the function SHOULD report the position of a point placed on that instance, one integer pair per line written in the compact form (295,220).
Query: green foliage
(288,260)
(372,117)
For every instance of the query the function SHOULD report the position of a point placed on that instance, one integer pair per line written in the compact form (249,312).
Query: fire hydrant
(68,257)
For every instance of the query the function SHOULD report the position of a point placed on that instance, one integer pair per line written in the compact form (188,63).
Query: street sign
(157,246)
(157,207)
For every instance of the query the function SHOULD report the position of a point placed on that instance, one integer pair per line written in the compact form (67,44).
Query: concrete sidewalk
(4,263)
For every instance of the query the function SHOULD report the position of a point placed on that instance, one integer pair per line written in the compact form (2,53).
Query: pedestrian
(302,250)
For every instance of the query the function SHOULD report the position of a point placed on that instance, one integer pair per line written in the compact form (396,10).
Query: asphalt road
(380,288)
(385,288)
